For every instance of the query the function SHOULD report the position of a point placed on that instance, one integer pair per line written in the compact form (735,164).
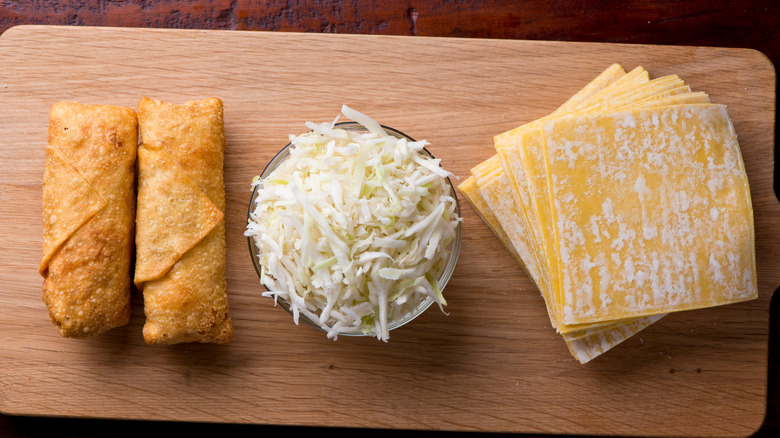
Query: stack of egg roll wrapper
(88,217)
(94,218)
(627,203)
(180,228)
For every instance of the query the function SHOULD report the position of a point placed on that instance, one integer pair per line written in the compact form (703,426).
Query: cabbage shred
(354,228)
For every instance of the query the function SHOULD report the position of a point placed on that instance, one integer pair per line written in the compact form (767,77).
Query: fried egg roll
(88,217)
(180,226)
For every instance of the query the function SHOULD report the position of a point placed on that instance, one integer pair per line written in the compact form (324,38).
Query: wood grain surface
(492,363)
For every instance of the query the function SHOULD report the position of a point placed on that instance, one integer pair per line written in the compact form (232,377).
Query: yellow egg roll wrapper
(180,226)
(88,217)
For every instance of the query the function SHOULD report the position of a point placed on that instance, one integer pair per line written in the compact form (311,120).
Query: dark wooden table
(747,23)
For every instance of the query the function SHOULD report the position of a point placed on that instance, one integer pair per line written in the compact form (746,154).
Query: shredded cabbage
(353,229)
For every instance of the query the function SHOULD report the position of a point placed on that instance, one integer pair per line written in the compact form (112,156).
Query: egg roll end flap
(174,215)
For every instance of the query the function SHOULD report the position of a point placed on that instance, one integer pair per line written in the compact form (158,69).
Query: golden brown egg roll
(180,226)
(88,217)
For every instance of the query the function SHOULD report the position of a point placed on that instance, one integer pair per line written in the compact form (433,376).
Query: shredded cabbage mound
(353,229)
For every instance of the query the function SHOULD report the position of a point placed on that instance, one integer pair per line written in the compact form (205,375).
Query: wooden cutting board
(491,362)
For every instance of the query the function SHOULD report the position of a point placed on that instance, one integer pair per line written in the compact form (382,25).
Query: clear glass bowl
(443,277)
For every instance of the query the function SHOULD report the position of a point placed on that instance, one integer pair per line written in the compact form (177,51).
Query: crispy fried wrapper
(89,217)
(180,226)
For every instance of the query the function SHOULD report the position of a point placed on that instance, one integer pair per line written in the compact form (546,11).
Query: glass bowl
(442,278)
